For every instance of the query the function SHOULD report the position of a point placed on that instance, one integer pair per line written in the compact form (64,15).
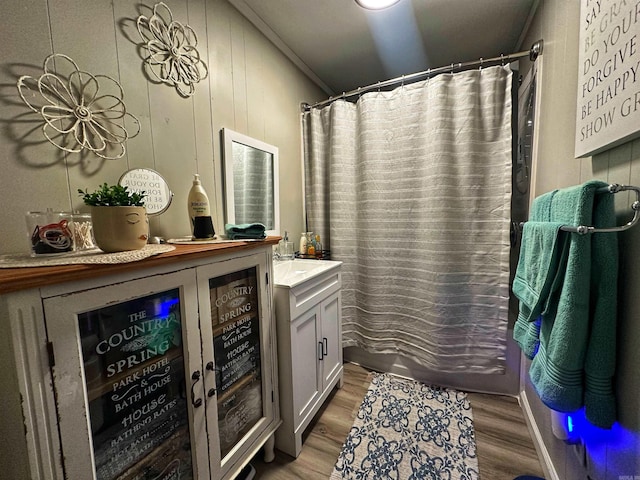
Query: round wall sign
(158,195)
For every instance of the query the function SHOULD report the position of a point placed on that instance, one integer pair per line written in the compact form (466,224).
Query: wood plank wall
(610,454)
(251,88)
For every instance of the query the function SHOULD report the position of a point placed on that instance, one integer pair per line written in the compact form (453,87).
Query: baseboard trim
(499,384)
(543,454)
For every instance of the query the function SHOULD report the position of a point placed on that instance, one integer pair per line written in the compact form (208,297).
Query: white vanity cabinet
(308,312)
(166,371)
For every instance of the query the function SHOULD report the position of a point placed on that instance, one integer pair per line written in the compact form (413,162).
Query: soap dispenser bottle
(198,202)
(285,248)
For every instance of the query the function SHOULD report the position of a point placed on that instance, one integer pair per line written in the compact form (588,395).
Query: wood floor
(505,449)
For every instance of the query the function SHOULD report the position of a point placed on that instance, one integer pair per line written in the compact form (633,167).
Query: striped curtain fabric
(252,184)
(411,189)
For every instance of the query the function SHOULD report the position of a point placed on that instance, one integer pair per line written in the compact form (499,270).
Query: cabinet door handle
(325,347)
(196,402)
(320,351)
(212,391)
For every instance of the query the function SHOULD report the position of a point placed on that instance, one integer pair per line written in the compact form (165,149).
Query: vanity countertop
(15,279)
(291,273)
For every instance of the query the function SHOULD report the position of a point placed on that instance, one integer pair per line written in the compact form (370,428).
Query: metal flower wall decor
(81,111)
(172,54)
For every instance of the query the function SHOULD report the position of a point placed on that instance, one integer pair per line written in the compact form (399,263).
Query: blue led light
(166,306)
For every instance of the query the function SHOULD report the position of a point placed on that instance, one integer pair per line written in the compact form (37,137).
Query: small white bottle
(198,202)
(303,243)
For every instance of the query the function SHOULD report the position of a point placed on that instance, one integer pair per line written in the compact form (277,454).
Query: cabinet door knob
(211,392)
(209,366)
(325,347)
(196,402)
(320,351)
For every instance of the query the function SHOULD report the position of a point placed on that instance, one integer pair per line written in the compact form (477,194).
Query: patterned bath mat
(405,430)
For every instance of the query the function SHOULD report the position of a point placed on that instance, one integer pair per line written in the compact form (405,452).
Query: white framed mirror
(251,183)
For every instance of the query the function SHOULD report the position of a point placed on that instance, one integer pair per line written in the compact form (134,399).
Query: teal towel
(540,269)
(575,362)
(245,231)
(600,364)
(539,275)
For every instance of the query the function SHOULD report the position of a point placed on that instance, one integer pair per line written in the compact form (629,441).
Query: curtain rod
(532,53)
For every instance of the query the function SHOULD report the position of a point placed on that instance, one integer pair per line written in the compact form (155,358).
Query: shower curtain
(411,190)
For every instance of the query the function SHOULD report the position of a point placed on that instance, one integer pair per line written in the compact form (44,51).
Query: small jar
(82,230)
(309,241)
(50,232)
(311,245)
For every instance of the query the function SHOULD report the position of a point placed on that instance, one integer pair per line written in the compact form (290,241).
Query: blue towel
(245,231)
(575,361)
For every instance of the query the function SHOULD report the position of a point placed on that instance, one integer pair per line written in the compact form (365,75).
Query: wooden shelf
(15,279)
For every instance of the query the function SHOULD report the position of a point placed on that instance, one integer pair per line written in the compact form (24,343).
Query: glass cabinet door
(239,335)
(129,400)
(235,320)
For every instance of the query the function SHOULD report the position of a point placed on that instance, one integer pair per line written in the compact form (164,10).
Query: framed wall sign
(608,110)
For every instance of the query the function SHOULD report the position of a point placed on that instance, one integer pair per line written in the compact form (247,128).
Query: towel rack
(613,188)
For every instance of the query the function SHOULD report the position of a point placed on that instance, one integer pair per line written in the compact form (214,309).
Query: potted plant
(118,216)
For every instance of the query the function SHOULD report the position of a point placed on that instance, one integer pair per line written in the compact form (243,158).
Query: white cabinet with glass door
(234,306)
(162,375)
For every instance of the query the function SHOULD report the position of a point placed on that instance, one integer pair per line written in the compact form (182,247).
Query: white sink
(289,273)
